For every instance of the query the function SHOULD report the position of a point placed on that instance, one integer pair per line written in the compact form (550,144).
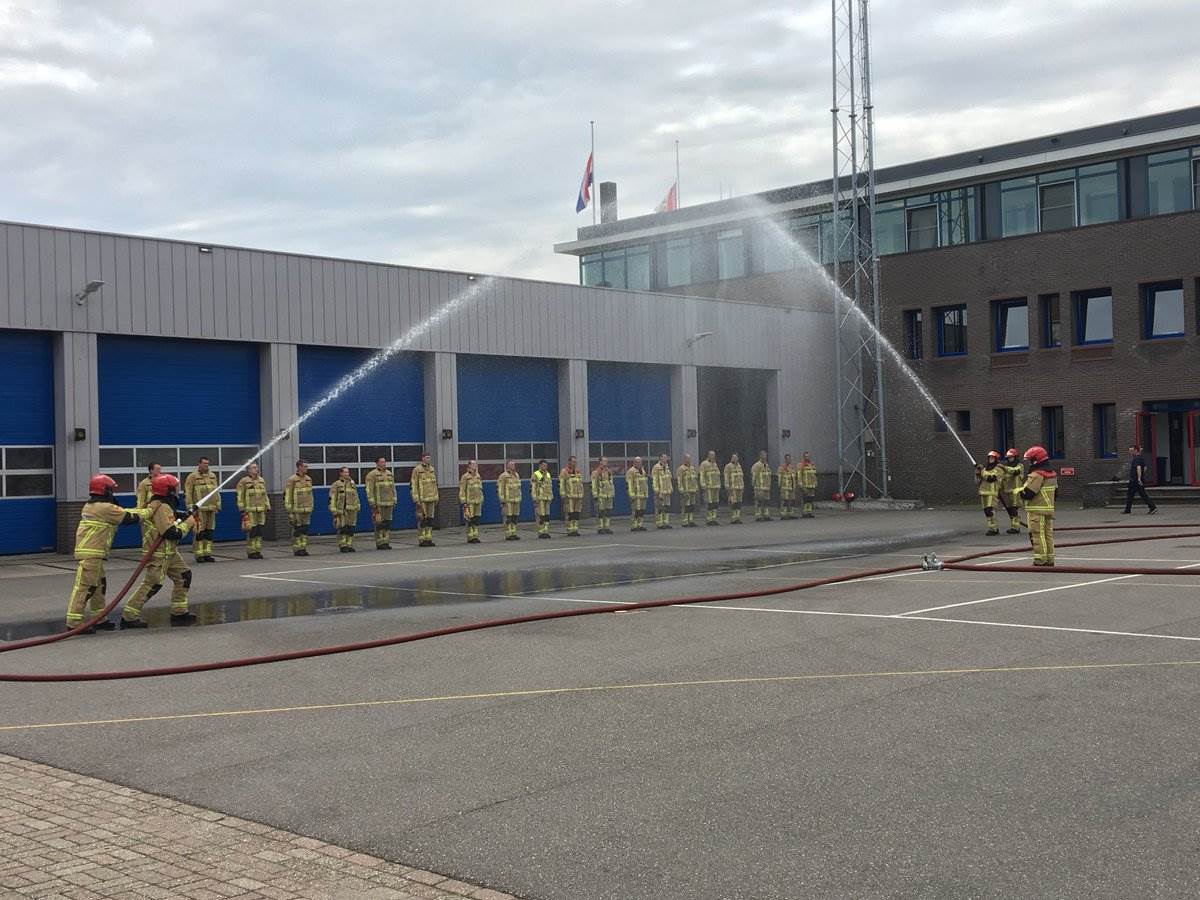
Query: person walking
(603,493)
(1137,483)
(165,562)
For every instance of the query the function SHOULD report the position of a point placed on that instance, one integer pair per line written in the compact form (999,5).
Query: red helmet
(837,496)
(1012,451)
(1037,455)
(101,485)
(164,484)
(993,453)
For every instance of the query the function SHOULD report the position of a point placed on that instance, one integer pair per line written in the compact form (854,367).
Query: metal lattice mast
(862,450)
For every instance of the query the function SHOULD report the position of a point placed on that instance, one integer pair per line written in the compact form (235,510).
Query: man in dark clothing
(1137,471)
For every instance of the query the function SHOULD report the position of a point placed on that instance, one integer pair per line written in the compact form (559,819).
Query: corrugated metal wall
(507,399)
(627,401)
(27,399)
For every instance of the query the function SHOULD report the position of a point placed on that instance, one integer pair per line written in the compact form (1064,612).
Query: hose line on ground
(956,563)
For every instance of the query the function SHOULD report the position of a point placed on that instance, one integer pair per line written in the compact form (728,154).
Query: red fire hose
(956,563)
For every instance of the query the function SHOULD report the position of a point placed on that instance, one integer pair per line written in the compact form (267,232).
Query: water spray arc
(861,431)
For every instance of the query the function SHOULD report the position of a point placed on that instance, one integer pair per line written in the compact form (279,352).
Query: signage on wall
(1067,470)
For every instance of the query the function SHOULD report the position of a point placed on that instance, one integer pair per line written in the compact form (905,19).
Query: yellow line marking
(586,689)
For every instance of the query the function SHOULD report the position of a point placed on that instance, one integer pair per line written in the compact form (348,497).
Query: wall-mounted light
(698,337)
(205,249)
(691,432)
(447,434)
(90,288)
(787,433)
(79,434)
(579,434)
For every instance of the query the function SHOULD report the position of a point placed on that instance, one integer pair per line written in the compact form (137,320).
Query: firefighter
(166,561)
(787,488)
(710,483)
(990,478)
(1010,489)
(200,484)
(1038,494)
(298,503)
(141,497)
(570,490)
(541,487)
(635,487)
(689,485)
(424,488)
(98,525)
(760,480)
(664,486)
(603,492)
(344,504)
(470,495)
(253,502)
(806,476)
(735,489)
(508,486)
(381,496)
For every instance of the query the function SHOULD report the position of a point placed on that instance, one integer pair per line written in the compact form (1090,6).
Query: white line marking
(418,562)
(1061,587)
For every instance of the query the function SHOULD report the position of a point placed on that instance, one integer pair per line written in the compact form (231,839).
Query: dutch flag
(585,189)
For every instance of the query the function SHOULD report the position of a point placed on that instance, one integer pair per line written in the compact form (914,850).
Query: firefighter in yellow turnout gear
(603,492)
(200,484)
(735,489)
(760,479)
(166,561)
(470,497)
(806,476)
(570,491)
(990,478)
(1010,489)
(381,497)
(541,486)
(664,487)
(141,497)
(637,488)
(424,488)
(344,503)
(253,503)
(787,488)
(688,480)
(1038,494)
(508,486)
(98,525)
(298,503)
(710,484)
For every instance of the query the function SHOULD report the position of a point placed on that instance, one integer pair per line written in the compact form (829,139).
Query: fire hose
(958,563)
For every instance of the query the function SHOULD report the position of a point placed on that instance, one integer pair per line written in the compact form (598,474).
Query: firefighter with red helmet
(165,561)
(1010,488)
(1038,494)
(98,525)
(990,478)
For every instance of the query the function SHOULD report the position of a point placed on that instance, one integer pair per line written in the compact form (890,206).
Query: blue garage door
(171,402)
(507,409)
(629,414)
(381,415)
(26,443)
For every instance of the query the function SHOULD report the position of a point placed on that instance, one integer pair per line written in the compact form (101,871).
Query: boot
(186,618)
(132,623)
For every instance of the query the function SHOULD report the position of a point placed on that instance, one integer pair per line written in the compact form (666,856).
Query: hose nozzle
(930,563)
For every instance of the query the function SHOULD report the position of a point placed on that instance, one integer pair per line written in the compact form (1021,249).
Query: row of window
(492,457)
(129,465)
(1161,316)
(1053,437)
(1166,182)
(26,471)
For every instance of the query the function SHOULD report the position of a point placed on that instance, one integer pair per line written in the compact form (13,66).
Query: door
(1193,447)
(1145,429)
(1177,440)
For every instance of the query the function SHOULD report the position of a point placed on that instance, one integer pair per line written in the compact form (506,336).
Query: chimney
(608,202)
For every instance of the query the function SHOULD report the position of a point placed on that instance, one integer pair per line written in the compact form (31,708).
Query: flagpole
(678,201)
(595,183)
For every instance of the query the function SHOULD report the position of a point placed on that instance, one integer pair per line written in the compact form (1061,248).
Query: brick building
(1045,290)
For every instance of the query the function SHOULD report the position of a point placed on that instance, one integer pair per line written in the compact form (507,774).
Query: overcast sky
(454,134)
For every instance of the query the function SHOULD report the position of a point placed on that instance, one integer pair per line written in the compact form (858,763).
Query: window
(127,465)
(731,254)
(1002,426)
(1053,436)
(679,262)
(1012,325)
(784,243)
(951,330)
(492,457)
(1058,206)
(890,227)
(621,453)
(914,325)
(1098,193)
(27,471)
(1162,309)
(1105,419)
(922,228)
(324,460)
(1018,206)
(628,268)
(1093,317)
(939,424)
(962,420)
(956,215)
(1170,175)
(1051,323)
(1196,183)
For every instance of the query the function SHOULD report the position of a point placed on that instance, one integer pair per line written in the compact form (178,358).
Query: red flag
(671,201)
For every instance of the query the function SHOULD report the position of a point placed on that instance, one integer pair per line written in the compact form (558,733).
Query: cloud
(455,134)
